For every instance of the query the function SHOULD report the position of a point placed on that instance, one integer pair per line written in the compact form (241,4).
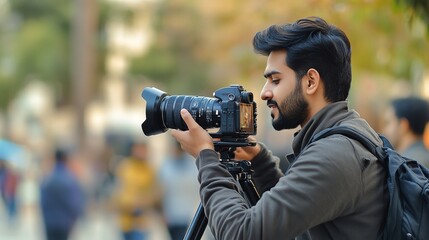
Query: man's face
(284,96)
(140,151)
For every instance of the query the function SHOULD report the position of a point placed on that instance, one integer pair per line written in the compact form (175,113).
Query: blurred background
(72,73)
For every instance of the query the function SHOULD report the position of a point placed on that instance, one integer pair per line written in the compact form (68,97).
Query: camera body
(238,112)
(231,110)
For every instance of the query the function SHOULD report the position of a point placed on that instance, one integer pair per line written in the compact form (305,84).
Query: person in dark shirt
(405,123)
(62,199)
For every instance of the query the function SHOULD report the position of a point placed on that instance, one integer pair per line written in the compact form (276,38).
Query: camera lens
(205,111)
(163,111)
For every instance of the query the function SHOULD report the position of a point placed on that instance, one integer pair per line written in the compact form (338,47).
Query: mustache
(272,102)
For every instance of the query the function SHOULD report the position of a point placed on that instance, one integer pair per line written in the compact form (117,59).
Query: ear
(311,81)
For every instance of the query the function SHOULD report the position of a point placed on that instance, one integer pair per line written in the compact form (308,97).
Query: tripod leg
(198,225)
(199,222)
(250,191)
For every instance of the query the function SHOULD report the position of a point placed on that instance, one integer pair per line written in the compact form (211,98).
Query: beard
(292,111)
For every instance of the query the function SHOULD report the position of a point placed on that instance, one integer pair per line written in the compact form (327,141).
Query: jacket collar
(327,117)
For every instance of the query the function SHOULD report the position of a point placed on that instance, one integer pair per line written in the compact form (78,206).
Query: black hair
(415,110)
(312,43)
(61,155)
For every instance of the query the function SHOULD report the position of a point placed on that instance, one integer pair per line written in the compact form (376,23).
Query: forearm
(224,206)
(267,172)
(300,200)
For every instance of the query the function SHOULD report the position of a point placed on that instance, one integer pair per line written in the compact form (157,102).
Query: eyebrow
(270,73)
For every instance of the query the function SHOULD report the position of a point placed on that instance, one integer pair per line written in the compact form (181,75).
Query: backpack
(407,183)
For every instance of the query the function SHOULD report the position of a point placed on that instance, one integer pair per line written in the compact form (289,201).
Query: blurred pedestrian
(9,181)
(405,123)
(62,199)
(178,178)
(137,194)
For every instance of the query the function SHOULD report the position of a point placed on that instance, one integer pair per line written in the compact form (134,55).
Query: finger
(188,119)
(177,134)
(173,133)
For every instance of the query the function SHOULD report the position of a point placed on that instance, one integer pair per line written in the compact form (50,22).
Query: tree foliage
(37,46)
(418,8)
(174,59)
(200,46)
(220,33)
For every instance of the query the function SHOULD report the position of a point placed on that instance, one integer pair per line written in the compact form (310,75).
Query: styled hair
(415,110)
(312,43)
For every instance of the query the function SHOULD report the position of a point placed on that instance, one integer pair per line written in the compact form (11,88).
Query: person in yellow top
(136,194)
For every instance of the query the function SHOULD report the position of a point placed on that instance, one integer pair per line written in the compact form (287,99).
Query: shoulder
(331,167)
(336,155)
(336,147)
(418,152)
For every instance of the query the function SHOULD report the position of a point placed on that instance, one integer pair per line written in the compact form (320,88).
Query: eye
(275,81)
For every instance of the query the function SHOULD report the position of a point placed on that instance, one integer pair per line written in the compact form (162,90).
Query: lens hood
(154,123)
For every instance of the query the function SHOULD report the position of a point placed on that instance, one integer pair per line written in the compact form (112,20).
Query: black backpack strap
(353,134)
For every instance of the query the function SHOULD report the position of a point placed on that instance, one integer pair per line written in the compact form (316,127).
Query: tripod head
(226,147)
(240,169)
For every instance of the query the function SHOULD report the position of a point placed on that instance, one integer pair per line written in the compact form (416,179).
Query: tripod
(240,170)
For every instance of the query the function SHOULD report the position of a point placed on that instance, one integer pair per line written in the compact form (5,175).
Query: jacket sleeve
(267,171)
(320,186)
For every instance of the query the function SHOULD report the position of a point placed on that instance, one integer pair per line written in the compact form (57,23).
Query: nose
(266,93)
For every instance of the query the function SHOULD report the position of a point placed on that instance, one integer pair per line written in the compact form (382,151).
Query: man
(62,199)
(136,195)
(9,183)
(334,189)
(406,119)
(180,199)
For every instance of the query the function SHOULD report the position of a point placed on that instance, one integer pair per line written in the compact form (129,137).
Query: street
(96,225)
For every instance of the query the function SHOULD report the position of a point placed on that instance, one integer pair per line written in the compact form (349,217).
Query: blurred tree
(192,33)
(419,8)
(36,44)
(173,59)
(383,43)
(202,45)
(38,34)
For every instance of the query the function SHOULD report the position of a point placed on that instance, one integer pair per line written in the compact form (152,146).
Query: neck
(407,140)
(313,109)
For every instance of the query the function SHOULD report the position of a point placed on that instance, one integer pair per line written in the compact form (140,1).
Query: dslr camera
(231,110)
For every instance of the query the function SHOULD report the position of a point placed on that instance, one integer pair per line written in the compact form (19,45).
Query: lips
(271,104)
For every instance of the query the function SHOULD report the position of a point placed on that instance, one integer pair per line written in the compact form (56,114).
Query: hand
(195,139)
(247,153)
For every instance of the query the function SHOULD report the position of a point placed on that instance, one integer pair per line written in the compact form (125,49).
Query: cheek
(390,130)
(280,95)
(284,90)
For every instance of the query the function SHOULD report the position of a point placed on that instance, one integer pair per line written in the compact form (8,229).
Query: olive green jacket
(334,190)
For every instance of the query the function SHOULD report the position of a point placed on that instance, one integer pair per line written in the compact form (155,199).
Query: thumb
(188,119)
